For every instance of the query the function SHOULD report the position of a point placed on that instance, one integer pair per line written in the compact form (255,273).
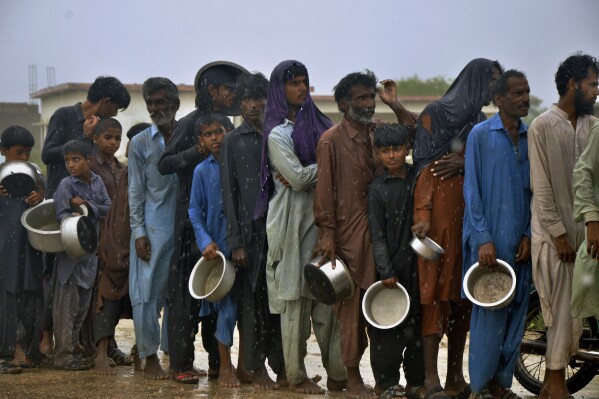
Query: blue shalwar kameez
(152,199)
(497,196)
(207,217)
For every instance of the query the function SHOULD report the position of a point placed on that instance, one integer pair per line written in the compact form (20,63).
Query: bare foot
(261,380)
(227,378)
(333,385)
(243,376)
(198,372)
(101,367)
(47,344)
(153,369)
(359,391)
(307,386)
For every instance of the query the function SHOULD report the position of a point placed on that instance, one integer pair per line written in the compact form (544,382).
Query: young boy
(208,220)
(75,277)
(20,263)
(390,206)
(107,140)
(113,301)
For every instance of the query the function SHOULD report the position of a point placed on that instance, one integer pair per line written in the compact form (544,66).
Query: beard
(582,105)
(162,118)
(361,115)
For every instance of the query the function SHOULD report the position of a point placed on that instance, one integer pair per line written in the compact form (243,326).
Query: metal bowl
(18,178)
(426,248)
(329,285)
(42,228)
(385,308)
(78,234)
(212,279)
(476,272)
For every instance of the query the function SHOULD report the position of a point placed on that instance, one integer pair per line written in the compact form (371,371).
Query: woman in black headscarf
(438,212)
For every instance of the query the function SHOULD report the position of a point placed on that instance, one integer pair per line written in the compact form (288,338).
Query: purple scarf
(309,125)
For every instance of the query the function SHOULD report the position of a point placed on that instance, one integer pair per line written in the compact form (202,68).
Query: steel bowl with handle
(384,307)
(476,271)
(18,178)
(78,234)
(326,284)
(212,279)
(426,248)
(43,230)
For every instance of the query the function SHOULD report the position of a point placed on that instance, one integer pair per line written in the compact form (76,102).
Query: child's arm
(377,225)
(99,209)
(198,215)
(62,199)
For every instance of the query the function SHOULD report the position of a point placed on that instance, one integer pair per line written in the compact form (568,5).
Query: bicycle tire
(530,368)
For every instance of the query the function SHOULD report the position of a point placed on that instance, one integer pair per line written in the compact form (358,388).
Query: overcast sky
(136,39)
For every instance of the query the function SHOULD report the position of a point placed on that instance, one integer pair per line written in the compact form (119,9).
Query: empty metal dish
(426,248)
(329,285)
(212,279)
(385,308)
(18,178)
(43,230)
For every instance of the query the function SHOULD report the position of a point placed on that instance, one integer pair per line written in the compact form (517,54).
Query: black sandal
(119,357)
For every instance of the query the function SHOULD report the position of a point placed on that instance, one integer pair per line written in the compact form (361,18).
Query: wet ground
(50,384)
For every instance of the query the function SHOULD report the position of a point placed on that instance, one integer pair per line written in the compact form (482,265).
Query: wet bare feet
(554,385)
(358,392)
(243,376)
(261,380)
(307,386)
(153,369)
(47,344)
(227,377)
(101,367)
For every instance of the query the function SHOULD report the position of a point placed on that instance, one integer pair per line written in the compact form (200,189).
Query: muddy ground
(51,384)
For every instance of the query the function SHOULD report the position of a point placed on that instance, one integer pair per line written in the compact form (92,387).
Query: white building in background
(54,97)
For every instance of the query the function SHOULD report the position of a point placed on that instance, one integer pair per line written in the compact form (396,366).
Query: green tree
(415,86)
(534,110)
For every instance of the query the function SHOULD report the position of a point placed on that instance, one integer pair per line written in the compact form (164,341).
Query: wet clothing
(390,213)
(240,157)
(180,157)
(390,210)
(310,124)
(346,167)
(585,296)
(497,197)
(554,148)
(20,282)
(152,199)
(103,169)
(65,124)
(292,235)
(454,114)
(208,220)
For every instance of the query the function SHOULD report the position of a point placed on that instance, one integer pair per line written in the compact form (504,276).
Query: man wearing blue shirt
(497,226)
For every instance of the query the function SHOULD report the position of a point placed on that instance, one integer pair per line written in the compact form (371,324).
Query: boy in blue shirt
(390,215)
(207,217)
(75,277)
(20,264)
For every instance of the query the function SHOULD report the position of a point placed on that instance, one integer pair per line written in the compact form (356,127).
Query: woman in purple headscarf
(439,211)
(292,128)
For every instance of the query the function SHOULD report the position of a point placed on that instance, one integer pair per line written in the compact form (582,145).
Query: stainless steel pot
(78,234)
(476,272)
(18,178)
(42,228)
(385,308)
(212,279)
(329,285)
(426,248)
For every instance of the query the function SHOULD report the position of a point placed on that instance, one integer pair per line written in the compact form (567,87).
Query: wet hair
(574,67)
(252,86)
(209,118)
(152,85)
(78,146)
(136,129)
(108,86)
(390,135)
(500,87)
(342,90)
(16,135)
(294,71)
(107,123)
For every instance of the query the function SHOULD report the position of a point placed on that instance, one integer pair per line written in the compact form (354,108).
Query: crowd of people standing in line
(288,184)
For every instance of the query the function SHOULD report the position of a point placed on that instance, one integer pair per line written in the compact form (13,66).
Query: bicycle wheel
(530,369)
